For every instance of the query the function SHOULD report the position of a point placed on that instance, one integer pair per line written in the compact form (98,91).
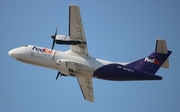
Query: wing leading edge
(76,30)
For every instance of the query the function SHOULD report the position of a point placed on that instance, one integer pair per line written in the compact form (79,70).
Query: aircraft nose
(14,53)
(11,53)
(18,53)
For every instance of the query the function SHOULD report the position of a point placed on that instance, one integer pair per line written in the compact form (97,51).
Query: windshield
(25,45)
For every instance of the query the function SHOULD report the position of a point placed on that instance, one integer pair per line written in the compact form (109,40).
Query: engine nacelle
(63,39)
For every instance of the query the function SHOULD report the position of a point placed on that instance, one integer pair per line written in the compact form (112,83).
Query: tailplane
(155,60)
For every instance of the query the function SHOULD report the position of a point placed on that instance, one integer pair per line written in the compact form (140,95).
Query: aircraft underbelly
(74,68)
(117,72)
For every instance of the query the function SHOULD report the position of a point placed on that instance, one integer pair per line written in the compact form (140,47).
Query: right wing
(86,88)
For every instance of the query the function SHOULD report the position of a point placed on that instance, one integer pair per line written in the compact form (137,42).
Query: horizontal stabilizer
(165,64)
(162,48)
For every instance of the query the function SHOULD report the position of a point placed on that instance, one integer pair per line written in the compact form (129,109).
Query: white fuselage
(68,63)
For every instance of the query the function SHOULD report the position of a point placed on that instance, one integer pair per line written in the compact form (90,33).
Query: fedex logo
(155,61)
(45,50)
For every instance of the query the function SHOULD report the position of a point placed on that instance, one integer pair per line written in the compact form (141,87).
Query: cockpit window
(26,46)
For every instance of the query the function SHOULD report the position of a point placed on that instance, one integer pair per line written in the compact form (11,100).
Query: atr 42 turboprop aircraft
(78,63)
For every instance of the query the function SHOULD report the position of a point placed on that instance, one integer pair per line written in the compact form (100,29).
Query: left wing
(76,30)
(86,88)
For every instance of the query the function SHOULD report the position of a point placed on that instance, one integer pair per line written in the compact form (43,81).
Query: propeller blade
(56,30)
(54,38)
(53,44)
(58,75)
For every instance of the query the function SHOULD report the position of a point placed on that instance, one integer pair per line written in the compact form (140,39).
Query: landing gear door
(71,66)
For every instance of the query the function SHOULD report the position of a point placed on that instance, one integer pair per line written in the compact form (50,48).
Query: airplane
(78,63)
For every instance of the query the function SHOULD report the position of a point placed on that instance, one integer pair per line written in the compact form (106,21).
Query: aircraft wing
(86,88)
(76,30)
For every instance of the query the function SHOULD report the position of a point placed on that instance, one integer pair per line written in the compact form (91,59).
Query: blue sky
(120,30)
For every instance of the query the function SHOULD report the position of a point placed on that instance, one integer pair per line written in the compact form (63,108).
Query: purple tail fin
(151,63)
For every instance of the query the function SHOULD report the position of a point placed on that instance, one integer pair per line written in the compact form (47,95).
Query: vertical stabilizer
(150,63)
(162,48)
(154,61)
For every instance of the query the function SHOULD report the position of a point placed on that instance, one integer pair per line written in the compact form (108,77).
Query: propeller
(54,38)
(58,75)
